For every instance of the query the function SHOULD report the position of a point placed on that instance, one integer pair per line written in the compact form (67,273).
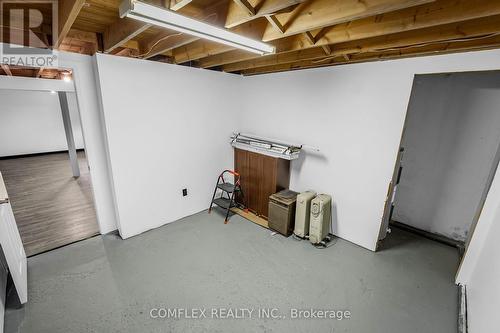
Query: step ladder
(227,198)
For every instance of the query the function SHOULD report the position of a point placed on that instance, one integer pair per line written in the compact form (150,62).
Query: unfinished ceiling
(306,33)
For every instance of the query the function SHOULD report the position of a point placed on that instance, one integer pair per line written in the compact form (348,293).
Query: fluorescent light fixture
(171,20)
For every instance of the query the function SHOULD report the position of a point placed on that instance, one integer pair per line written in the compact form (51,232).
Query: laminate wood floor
(51,208)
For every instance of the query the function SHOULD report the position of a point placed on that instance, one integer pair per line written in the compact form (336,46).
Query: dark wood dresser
(261,176)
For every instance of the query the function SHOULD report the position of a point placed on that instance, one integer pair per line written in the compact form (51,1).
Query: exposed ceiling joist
(473,45)
(246,6)
(198,50)
(310,38)
(178,4)
(170,40)
(6,69)
(327,49)
(201,48)
(420,17)
(39,72)
(164,42)
(321,13)
(308,33)
(223,58)
(450,33)
(125,29)
(236,15)
(68,11)
(121,32)
(275,23)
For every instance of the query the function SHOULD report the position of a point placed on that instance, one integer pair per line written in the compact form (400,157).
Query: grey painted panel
(451,138)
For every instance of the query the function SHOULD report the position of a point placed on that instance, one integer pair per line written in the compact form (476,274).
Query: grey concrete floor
(105,284)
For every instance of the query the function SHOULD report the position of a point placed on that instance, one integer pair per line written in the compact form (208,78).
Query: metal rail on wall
(269,147)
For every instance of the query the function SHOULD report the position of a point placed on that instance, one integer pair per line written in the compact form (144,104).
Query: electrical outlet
(184,192)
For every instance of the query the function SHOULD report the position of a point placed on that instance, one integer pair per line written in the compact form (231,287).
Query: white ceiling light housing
(168,19)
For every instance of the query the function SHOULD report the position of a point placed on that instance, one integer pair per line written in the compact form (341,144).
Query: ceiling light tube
(168,19)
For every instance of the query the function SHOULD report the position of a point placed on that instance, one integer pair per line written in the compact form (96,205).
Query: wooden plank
(310,38)
(67,11)
(203,48)
(164,42)
(468,29)
(40,72)
(327,49)
(224,58)
(83,36)
(6,69)
(425,16)
(199,49)
(251,217)
(275,23)
(492,42)
(322,13)
(382,56)
(121,32)
(125,29)
(246,6)
(170,40)
(176,5)
(237,15)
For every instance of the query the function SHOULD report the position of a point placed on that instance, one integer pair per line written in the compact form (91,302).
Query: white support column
(63,100)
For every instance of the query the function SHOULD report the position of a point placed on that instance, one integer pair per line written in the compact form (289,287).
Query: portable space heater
(302,213)
(321,212)
(282,211)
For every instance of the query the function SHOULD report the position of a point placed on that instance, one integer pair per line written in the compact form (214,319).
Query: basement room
(249,166)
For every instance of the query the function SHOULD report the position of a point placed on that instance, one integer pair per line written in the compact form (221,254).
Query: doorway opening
(43,163)
(449,153)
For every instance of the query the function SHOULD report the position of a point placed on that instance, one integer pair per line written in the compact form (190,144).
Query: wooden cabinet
(261,176)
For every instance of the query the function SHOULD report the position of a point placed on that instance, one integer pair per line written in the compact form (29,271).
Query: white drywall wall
(167,128)
(480,269)
(452,135)
(93,135)
(355,115)
(31,122)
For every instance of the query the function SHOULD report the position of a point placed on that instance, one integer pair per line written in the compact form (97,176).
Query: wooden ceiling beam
(198,50)
(175,5)
(236,15)
(223,58)
(473,45)
(246,6)
(40,72)
(317,14)
(327,49)
(442,34)
(203,48)
(420,17)
(83,36)
(275,23)
(6,69)
(163,43)
(170,40)
(68,10)
(121,32)
(310,38)
(125,29)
